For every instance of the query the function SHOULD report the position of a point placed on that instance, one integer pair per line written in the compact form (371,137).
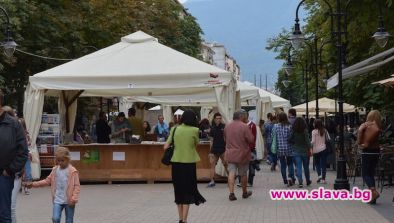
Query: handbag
(168,153)
(329,148)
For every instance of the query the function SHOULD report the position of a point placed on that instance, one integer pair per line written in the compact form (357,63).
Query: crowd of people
(287,139)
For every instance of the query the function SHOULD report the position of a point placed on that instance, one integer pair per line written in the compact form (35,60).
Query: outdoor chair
(385,170)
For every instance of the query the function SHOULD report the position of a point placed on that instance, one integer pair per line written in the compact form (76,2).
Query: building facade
(216,54)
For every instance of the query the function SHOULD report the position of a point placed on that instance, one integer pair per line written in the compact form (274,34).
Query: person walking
(319,135)
(268,126)
(281,133)
(65,186)
(183,168)
(13,156)
(216,135)
(238,137)
(368,140)
(102,129)
(252,164)
(302,149)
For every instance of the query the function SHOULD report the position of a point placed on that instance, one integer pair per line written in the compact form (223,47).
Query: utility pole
(260,80)
(266,82)
(254,79)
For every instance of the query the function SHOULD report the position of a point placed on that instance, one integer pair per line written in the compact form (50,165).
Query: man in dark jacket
(13,156)
(102,129)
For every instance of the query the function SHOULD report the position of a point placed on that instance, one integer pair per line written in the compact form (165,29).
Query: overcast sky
(244,26)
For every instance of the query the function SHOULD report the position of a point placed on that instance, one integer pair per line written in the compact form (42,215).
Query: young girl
(64,182)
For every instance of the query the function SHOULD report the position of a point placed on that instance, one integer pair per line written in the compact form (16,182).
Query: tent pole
(65,100)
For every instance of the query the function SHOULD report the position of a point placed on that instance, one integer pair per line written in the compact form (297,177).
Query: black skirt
(184,179)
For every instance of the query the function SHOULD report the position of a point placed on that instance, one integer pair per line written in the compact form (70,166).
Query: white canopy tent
(325,105)
(249,95)
(363,67)
(389,82)
(136,66)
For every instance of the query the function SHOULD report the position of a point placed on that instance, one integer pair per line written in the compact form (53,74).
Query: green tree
(362,22)
(71,29)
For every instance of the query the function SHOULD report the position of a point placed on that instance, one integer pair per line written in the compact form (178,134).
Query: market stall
(127,162)
(325,105)
(136,66)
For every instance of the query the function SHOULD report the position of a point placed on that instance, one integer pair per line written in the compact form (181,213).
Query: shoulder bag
(274,144)
(329,146)
(168,153)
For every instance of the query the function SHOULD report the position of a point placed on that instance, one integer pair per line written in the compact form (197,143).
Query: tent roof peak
(138,37)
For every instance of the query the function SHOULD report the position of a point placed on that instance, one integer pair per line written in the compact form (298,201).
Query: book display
(48,139)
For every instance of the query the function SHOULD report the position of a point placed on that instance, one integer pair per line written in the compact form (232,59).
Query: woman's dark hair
(189,118)
(299,125)
(148,128)
(102,115)
(204,123)
(282,119)
(217,114)
(121,114)
(319,126)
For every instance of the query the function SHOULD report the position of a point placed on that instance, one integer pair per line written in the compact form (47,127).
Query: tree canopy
(71,29)
(362,23)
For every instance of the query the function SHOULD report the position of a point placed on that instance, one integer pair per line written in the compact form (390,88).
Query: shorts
(242,168)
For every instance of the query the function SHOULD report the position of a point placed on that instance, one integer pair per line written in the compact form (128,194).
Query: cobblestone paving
(154,203)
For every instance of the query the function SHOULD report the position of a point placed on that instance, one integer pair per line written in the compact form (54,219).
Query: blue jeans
(286,162)
(15,191)
(28,176)
(321,164)
(57,213)
(6,186)
(302,161)
(369,162)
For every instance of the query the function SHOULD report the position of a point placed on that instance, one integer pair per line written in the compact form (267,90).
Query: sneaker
(211,184)
(273,168)
(318,179)
(232,197)
(300,186)
(308,182)
(27,191)
(247,194)
(291,183)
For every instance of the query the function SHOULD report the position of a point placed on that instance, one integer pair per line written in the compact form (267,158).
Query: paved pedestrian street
(154,203)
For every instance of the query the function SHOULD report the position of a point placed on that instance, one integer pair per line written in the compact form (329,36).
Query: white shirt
(61,185)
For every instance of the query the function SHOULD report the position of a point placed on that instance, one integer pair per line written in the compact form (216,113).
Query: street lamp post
(9,44)
(381,36)
(297,38)
(289,69)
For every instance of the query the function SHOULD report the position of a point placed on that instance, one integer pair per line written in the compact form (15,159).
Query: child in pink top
(65,186)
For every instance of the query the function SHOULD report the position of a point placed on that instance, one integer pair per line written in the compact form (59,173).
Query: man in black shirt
(217,145)
(13,156)
(102,129)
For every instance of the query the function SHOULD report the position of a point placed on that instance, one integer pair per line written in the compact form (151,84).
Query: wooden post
(67,105)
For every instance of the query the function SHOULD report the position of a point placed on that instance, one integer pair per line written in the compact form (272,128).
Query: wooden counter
(128,162)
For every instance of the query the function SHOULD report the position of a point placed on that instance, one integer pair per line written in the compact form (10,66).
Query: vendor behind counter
(120,129)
